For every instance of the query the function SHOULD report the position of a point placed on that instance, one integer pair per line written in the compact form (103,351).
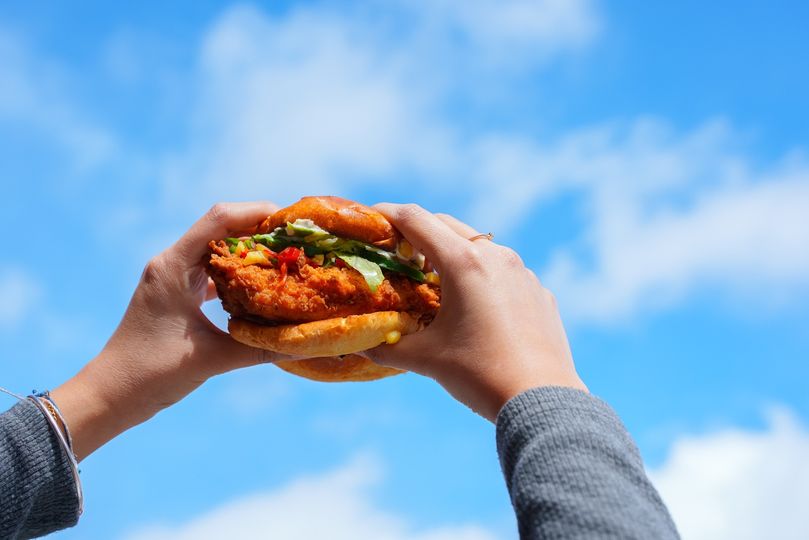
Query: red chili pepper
(339,263)
(289,255)
(283,274)
(243,254)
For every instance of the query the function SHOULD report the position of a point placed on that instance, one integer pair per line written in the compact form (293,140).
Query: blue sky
(649,161)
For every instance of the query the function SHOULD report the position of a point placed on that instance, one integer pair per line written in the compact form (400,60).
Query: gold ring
(487,236)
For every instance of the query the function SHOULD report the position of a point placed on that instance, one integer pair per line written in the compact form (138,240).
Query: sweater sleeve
(37,490)
(573,471)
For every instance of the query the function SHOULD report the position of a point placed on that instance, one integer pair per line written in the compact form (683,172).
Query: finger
(426,232)
(534,276)
(210,293)
(221,220)
(227,354)
(234,355)
(406,354)
(463,230)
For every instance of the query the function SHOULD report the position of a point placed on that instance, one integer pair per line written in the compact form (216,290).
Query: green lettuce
(369,270)
(366,259)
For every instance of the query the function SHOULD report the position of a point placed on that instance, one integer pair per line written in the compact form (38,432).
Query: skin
(164,347)
(498,332)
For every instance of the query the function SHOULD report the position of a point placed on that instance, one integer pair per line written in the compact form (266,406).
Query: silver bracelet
(53,408)
(63,441)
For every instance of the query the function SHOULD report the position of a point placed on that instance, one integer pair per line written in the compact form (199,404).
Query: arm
(573,471)
(498,345)
(162,350)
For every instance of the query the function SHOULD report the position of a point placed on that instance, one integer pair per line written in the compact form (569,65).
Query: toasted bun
(324,340)
(348,368)
(329,337)
(340,217)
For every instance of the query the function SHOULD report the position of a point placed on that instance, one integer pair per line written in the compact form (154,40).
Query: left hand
(498,332)
(164,347)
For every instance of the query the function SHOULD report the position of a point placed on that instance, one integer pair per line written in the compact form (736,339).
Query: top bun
(341,217)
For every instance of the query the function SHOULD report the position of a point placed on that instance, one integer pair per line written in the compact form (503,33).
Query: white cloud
(740,485)
(670,216)
(292,106)
(335,505)
(513,31)
(738,238)
(320,101)
(20,295)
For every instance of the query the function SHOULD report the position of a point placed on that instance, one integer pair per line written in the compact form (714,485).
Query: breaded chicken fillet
(310,292)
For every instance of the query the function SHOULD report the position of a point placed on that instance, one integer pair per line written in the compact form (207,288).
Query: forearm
(108,396)
(37,489)
(573,471)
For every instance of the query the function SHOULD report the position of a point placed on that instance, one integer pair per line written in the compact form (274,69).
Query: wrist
(511,390)
(95,407)
(83,415)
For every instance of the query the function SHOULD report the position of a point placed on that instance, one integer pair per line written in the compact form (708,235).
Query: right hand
(498,332)
(164,347)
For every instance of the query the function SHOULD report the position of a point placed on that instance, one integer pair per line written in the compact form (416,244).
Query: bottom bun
(329,337)
(328,345)
(348,368)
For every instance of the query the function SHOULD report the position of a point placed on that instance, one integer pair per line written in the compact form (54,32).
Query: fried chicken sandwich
(323,279)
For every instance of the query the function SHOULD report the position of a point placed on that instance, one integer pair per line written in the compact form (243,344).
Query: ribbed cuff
(37,489)
(549,398)
(557,411)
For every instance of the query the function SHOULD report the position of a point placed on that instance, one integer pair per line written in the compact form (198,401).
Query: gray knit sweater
(573,471)
(570,466)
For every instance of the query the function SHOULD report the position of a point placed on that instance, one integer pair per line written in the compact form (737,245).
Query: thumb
(409,354)
(227,354)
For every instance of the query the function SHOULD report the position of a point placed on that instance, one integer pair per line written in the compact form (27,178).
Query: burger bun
(328,345)
(341,217)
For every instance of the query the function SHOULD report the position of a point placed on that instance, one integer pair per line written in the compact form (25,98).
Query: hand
(498,332)
(164,347)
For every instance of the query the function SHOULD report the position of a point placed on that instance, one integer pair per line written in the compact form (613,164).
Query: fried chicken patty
(311,293)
